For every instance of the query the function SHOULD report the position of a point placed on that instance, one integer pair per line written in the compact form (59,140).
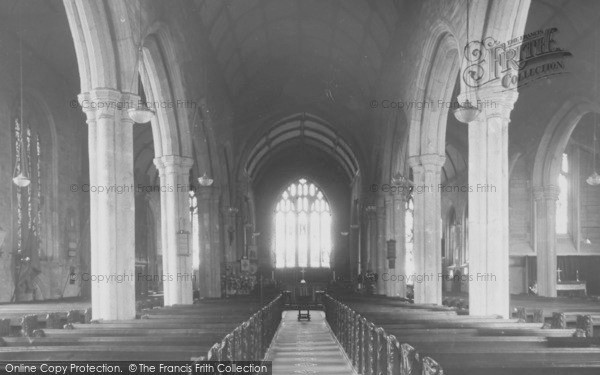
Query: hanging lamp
(594,178)
(141,114)
(205,180)
(21,172)
(466,112)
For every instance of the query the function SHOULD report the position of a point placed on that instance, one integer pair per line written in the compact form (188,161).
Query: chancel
(325,187)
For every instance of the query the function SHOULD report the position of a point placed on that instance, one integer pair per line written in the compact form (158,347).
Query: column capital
(428,162)
(370,210)
(548,192)
(494,101)
(107,103)
(173,163)
(388,198)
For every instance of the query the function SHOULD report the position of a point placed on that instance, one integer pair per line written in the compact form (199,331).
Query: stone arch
(311,129)
(164,79)
(555,138)
(95,25)
(435,83)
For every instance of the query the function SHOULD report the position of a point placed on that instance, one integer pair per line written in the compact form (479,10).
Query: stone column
(388,234)
(397,275)
(427,228)
(174,174)
(355,247)
(488,206)
(112,214)
(545,234)
(381,249)
(210,244)
(371,240)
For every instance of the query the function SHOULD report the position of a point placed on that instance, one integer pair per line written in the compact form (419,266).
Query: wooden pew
(450,342)
(171,333)
(587,320)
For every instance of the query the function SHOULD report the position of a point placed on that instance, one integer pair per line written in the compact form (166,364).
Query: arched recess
(555,138)
(40,104)
(36,228)
(309,129)
(435,84)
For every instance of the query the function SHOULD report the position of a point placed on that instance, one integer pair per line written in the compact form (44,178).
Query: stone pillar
(381,249)
(355,247)
(397,274)
(175,216)
(210,244)
(545,235)
(488,206)
(388,234)
(427,228)
(112,215)
(371,240)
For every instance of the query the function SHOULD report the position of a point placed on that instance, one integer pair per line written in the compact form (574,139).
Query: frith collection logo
(515,63)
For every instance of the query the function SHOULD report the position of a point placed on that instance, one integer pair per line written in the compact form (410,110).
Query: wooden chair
(304,300)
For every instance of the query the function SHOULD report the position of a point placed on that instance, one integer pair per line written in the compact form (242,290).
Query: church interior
(325,187)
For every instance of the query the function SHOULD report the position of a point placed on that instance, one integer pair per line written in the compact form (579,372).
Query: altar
(572,287)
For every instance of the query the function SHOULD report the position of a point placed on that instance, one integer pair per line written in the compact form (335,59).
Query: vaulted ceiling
(280,57)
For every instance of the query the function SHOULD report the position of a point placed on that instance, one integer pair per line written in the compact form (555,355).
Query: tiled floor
(307,348)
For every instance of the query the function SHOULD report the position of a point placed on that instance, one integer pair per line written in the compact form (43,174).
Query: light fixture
(21,173)
(594,178)
(466,112)
(141,114)
(587,241)
(344,234)
(21,180)
(205,180)
(398,179)
(401,180)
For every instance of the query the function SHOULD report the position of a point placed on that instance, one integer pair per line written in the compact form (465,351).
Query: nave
(353,333)
(237,158)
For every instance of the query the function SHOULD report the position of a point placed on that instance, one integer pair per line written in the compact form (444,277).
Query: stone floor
(307,347)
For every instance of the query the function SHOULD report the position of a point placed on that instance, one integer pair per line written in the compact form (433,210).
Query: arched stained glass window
(302,227)
(29,199)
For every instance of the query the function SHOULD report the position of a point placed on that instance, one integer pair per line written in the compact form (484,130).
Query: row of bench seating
(384,336)
(170,333)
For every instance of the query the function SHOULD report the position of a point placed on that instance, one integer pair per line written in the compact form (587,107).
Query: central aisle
(307,347)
